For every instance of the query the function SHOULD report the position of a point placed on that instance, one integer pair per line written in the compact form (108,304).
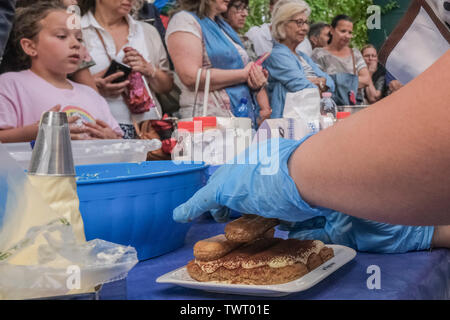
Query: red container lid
(186,125)
(207,121)
(342,115)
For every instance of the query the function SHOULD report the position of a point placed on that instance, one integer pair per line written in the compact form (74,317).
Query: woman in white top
(197,37)
(108,28)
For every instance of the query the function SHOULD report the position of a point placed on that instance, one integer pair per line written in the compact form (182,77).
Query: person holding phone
(111,34)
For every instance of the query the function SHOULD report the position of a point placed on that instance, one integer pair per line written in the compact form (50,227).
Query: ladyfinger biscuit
(263,262)
(248,228)
(214,248)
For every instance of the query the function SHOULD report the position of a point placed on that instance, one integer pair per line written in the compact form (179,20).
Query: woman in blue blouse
(288,70)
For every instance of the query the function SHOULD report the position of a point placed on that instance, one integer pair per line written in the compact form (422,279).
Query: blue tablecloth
(414,275)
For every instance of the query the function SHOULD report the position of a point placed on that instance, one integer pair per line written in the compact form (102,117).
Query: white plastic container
(93,151)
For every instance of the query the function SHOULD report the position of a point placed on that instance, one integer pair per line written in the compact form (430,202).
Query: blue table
(414,275)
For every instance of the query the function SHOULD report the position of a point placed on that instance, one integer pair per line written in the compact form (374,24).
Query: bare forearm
(388,163)
(219,78)
(23,134)
(263,99)
(364,81)
(187,56)
(162,82)
(373,95)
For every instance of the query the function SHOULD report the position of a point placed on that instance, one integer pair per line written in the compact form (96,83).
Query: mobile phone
(117,67)
(262,58)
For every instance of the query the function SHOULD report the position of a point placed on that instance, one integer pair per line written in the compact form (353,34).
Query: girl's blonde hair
(282,14)
(27,24)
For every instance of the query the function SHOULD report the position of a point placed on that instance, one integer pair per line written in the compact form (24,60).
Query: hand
(361,234)
(258,184)
(100,130)
(107,88)
(394,85)
(321,83)
(264,114)
(138,63)
(257,77)
(77,130)
(56,108)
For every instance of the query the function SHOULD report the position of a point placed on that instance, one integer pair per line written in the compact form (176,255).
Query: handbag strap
(354,63)
(197,85)
(103,43)
(206,93)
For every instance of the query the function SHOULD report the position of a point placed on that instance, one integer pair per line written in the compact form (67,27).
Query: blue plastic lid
(112,172)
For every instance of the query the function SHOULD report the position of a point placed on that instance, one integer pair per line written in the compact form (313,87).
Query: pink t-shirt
(24,97)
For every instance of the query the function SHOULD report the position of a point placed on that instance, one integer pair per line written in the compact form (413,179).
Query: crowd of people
(53,61)
(50,63)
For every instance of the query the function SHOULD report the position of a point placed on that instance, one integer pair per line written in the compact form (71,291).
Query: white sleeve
(184,22)
(155,47)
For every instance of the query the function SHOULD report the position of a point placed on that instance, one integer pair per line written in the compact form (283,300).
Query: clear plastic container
(326,121)
(327,105)
(93,151)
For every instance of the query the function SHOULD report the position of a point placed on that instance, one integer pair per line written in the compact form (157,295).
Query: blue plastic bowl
(132,203)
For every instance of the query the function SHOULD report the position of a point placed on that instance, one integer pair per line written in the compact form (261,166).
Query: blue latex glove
(361,234)
(258,184)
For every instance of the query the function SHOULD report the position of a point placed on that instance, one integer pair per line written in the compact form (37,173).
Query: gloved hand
(361,234)
(259,183)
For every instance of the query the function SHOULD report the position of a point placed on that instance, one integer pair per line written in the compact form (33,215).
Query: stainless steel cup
(52,153)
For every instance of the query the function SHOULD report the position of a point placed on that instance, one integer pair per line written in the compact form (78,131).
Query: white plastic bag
(304,105)
(293,129)
(39,252)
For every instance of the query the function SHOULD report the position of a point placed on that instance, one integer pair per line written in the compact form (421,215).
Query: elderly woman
(198,37)
(110,33)
(290,71)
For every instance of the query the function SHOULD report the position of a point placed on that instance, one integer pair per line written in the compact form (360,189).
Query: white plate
(342,255)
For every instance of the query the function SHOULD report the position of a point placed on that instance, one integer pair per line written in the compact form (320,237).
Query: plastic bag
(39,252)
(214,146)
(138,99)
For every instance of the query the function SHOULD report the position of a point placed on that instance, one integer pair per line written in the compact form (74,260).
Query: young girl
(82,74)
(51,50)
